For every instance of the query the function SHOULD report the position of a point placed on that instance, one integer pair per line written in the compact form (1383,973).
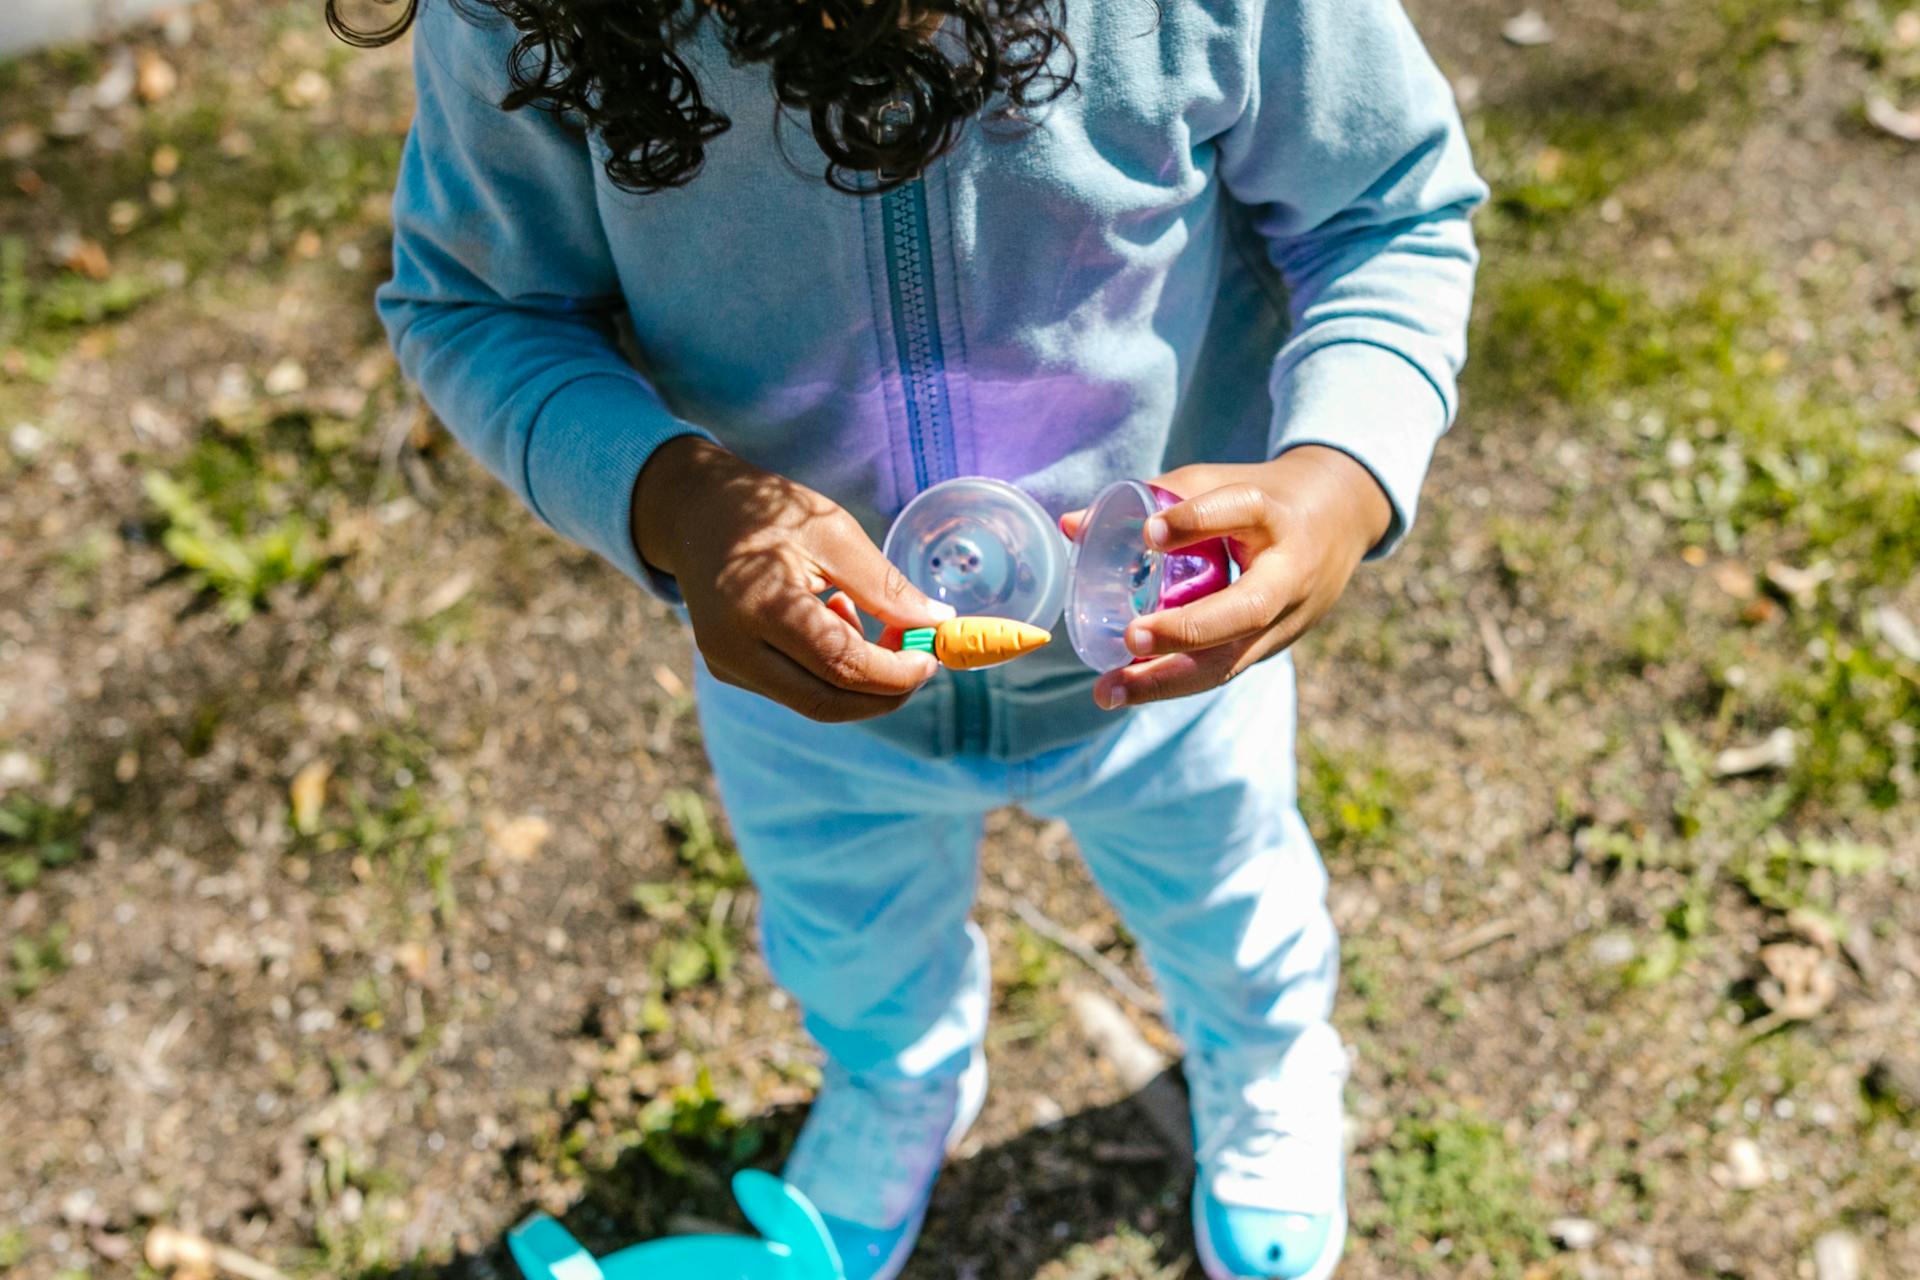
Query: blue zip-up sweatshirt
(1246,229)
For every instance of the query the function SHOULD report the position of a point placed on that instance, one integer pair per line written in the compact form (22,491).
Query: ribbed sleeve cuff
(585,452)
(1374,405)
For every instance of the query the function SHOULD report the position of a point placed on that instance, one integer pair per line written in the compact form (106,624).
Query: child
(1220,244)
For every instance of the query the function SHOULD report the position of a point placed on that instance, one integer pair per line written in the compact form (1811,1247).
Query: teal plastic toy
(797,1246)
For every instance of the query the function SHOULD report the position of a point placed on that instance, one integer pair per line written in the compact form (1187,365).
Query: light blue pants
(866,859)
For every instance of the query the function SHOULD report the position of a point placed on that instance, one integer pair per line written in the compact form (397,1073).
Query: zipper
(916,335)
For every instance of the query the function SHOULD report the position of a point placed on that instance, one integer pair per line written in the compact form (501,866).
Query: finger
(1245,607)
(850,561)
(1070,523)
(1177,675)
(842,603)
(825,645)
(890,638)
(774,675)
(1242,511)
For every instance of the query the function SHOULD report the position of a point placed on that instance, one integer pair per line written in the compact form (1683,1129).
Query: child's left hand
(1297,527)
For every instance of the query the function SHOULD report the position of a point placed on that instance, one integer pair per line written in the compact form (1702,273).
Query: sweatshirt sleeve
(1351,157)
(502,302)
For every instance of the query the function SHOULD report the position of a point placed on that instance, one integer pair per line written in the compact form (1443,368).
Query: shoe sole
(1217,1270)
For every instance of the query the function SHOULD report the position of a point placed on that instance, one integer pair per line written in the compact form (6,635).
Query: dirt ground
(361,886)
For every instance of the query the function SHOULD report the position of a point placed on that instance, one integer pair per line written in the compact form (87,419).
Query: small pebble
(1527,29)
(1613,948)
(1746,1169)
(1574,1234)
(26,440)
(1836,1256)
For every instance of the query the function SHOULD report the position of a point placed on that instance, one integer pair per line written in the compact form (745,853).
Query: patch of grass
(240,566)
(699,946)
(37,958)
(1655,634)
(247,509)
(1787,875)
(1034,967)
(357,1212)
(1881,34)
(1452,1177)
(1027,975)
(684,1132)
(640,1157)
(1365,967)
(1125,1254)
(1355,804)
(1856,709)
(37,837)
(13,1241)
(1738,451)
(1549,159)
(393,823)
(33,306)
(1682,925)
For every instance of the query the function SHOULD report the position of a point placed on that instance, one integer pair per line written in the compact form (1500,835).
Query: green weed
(240,566)
(1451,1176)
(701,947)
(37,837)
(1035,965)
(393,822)
(685,1131)
(36,960)
(32,307)
(360,1239)
(1880,35)
(1655,634)
(1787,875)
(1355,804)
(1684,923)
(250,505)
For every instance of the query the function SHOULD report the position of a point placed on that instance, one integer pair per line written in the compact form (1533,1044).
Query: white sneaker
(868,1155)
(1269,1202)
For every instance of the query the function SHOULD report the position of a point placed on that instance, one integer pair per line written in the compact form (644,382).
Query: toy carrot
(966,644)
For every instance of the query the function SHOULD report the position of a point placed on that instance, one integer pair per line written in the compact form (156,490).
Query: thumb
(850,561)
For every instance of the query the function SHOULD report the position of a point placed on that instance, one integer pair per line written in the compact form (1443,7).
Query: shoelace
(878,1129)
(1235,1111)
(1243,1110)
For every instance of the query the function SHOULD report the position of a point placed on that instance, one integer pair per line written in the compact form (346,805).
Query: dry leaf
(518,839)
(285,379)
(1734,578)
(308,89)
(309,795)
(83,256)
(447,594)
(1799,984)
(155,77)
(413,960)
(20,142)
(172,1250)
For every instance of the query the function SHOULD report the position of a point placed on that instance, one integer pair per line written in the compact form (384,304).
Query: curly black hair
(886,85)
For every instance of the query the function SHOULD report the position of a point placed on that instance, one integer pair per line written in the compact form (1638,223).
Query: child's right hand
(752,551)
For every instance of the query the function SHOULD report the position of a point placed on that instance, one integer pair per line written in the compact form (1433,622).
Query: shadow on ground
(1098,1189)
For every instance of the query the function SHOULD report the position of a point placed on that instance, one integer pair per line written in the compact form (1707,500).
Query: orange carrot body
(967,644)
